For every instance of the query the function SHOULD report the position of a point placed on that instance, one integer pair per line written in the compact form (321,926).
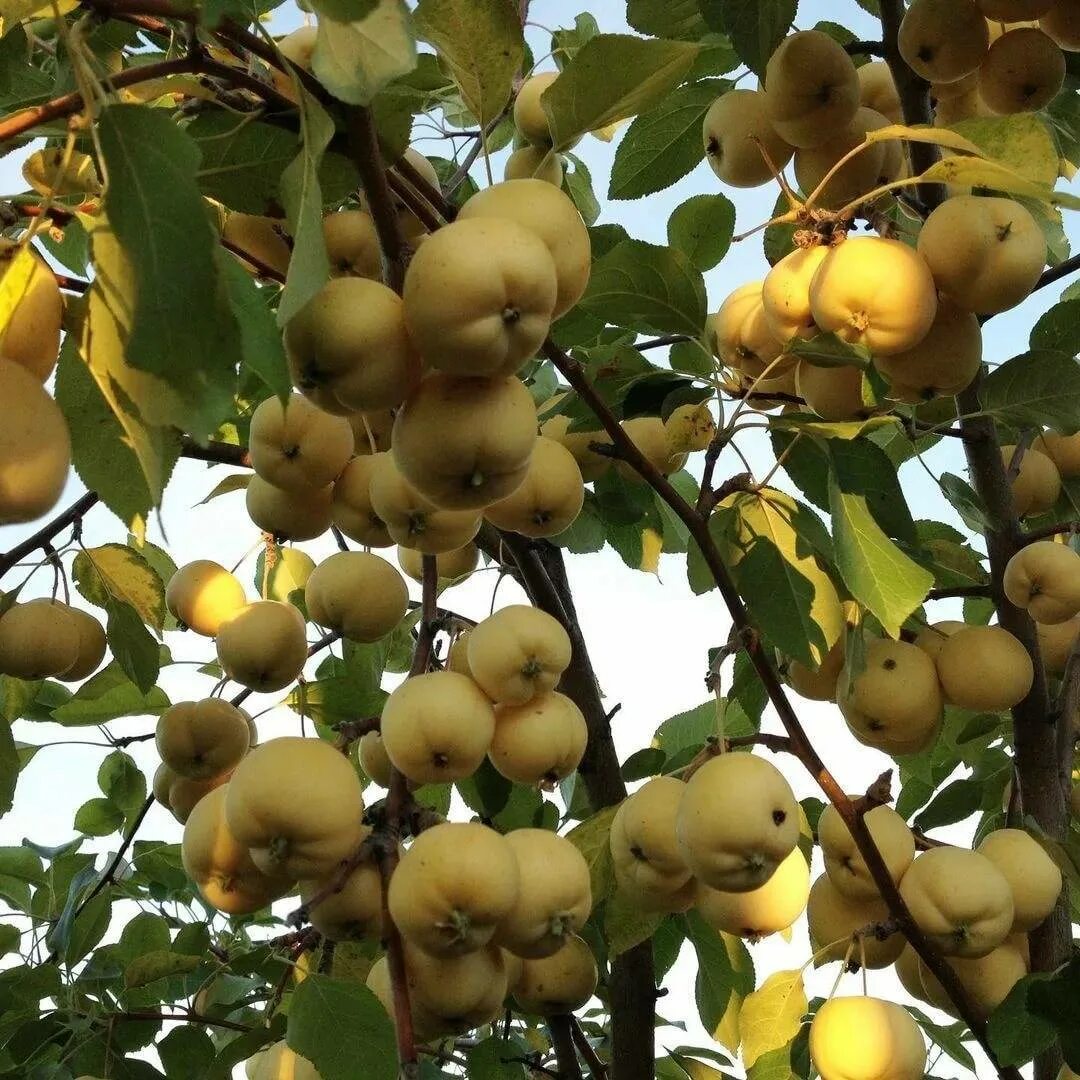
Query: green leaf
(770,1017)
(1016,1032)
(716,977)
(244,1047)
(159,964)
(116,572)
(157,213)
(186,1052)
(9,939)
(146,406)
(591,839)
(122,783)
(98,817)
(577,183)
(828,350)
(955,802)
(647,288)
(133,646)
(489,1060)
(1035,389)
(261,349)
(611,77)
(950,1038)
(88,928)
(662,145)
(355,60)
(481,43)
(780,600)
(965,501)
(21,83)
(1056,1000)
(309,266)
(688,729)
(9,768)
(667,18)
(701,228)
(242,162)
(756,29)
(879,575)
(1058,330)
(626,925)
(106,696)
(99,451)
(342,1029)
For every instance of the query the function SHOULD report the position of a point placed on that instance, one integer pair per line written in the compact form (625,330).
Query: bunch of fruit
(534,156)
(726,843)
(482,914)
(913,311)
(894,701)
(46,638)
(35,446)
(981,58)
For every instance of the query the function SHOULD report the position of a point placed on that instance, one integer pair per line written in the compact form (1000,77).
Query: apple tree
(341,831)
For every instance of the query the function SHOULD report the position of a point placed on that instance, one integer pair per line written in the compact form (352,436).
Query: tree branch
(1062,528)
(46,533)
(801,746)
(364,144)
(597,1069)
(960,590)
(107,875)
(633,981)
(562,1042)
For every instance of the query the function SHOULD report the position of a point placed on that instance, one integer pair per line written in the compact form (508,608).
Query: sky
(648,635)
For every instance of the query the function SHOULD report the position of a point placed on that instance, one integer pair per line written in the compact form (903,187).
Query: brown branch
(960,590)
(801,746)
(71,284)
(662,342)
(632,984)
(397,803)
(108,875)
(364,145)
(865,48)
(74,513)
(22,122)
(562,1042)
(1048,532)
(188,1016)
(414,201)
(597,1069)
(219,453)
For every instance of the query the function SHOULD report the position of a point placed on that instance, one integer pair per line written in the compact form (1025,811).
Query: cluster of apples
(726,843)
(915,310)
(989,57)
(894,702)
(200,743)
(263,644)
(814,104)
(48,639)
(496,698)
(35,445)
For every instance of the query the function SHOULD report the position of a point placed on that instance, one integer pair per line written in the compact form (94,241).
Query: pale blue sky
(648,637)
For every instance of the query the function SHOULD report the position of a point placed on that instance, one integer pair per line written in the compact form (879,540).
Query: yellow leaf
(14,283)
(1022,142)
(652,543)
(727,1031)
(771,514)
(978,172)
(771,1016)
(938,136)
(607,132)
(53,171)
